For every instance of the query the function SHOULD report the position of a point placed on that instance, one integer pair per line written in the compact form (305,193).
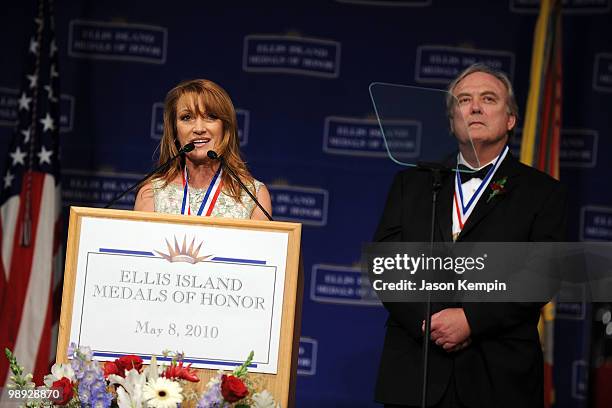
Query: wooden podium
(140,283)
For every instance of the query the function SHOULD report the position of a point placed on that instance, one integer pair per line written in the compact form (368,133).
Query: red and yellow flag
(541,137)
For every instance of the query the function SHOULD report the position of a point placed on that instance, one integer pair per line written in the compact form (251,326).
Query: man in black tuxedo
(481,355)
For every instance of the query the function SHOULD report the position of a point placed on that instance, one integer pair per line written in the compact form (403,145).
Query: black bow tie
(467,174)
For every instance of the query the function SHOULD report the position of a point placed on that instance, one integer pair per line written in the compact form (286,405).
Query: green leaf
(243,369)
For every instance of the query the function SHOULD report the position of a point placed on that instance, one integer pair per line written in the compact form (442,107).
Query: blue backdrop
(298,73)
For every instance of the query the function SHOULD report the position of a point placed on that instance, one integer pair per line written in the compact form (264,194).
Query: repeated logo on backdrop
(595,223)
(363,137)
(602,75)
(580,379)
(341,285)
(441,63)
(117,41)
(307,356)
(243,118)
(578,147)
(66,113)
(294,55)
(299,204)
(157,120)
(96,189)
(9,108)
(572,310)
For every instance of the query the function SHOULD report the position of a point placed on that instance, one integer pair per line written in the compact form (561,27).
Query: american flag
(30,208)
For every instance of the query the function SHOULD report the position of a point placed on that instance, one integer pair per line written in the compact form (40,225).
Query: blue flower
(98,387)
(84,394)
(212,398)
(78,366)
(71,349)
(85,353)
(101,400)
(89,377)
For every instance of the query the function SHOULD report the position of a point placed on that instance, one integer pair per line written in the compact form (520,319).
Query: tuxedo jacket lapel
(485,205)
(444,209)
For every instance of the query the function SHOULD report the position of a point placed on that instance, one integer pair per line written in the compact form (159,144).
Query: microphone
(185,149)
(214,156)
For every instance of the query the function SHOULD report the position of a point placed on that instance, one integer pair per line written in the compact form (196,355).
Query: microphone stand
(185,149)
(214,156)
(436,170)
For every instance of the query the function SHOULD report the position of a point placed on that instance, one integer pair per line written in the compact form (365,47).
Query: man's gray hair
(510,101)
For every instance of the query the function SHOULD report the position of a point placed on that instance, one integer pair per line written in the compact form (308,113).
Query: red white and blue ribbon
(210,198)
(464,210)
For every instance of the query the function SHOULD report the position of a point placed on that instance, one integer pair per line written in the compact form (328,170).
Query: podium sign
(215,289)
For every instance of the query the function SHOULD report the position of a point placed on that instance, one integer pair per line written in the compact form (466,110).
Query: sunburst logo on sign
(184,254)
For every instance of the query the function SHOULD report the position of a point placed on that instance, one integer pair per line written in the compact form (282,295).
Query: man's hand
(459,346)
(450,329)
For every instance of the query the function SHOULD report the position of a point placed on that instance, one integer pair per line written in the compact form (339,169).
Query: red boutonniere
(497,188)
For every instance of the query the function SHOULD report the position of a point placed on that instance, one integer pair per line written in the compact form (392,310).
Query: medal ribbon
(465,210)
(210,198)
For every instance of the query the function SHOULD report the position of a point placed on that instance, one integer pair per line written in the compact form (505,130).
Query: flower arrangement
(235,390)
(127,383)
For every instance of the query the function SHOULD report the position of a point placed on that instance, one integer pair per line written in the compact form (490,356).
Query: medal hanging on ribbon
(462,210)
(210,198)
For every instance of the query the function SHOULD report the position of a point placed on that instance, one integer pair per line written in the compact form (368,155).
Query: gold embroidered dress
(169,200)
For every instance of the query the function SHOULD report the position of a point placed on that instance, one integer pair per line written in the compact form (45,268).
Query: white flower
(58,371)
(162,393)
(129,395)
(125,401)
(264,400)
(152,371)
